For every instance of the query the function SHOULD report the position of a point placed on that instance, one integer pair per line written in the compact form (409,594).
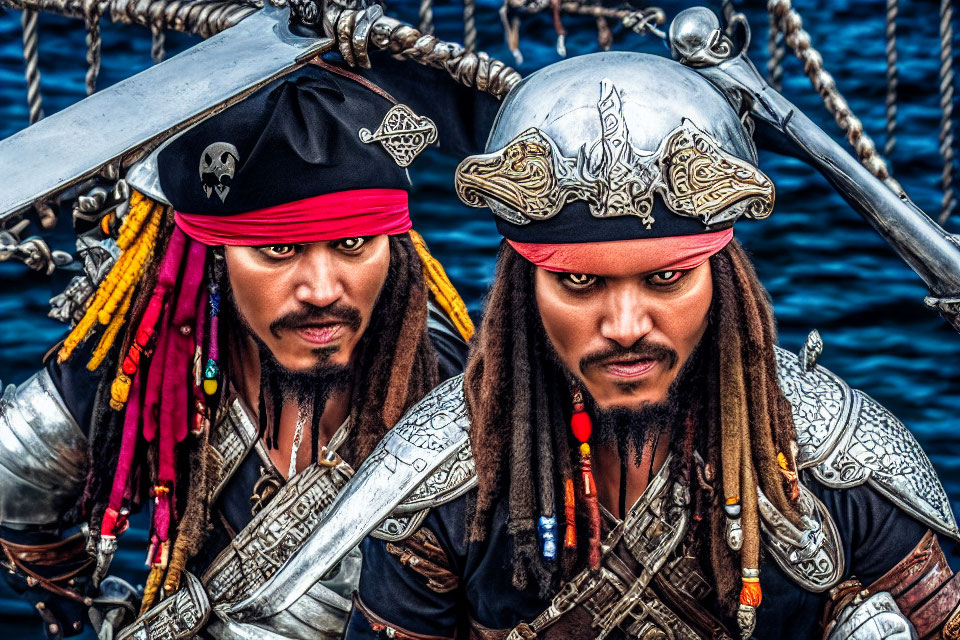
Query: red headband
(626,257)
(346,214)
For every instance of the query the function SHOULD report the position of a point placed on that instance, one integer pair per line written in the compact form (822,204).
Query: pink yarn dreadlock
(166,394)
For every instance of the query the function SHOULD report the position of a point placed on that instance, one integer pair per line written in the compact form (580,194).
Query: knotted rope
(892,72)
(789,22)
(949,202)
(28,20)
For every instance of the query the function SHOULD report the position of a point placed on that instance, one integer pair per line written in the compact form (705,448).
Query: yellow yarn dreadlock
(136,239)
(442,289)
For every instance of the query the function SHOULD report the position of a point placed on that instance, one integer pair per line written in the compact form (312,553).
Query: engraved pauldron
(846,439)
(43,454)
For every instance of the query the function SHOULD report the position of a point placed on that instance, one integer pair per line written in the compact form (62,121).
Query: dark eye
(350,245)
(578,281)
(278,251)
(664,278)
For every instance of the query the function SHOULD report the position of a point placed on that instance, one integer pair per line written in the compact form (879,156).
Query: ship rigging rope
(790,23)
(28,20)
(949,202)
(92,12)
(426,17)
(778,51)
(469,25)
(890,34)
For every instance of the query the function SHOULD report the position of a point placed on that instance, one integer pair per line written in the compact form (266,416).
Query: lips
(320,335)
(630,368)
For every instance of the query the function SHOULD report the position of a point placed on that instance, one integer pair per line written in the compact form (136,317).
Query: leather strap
(925,589)
(391,630)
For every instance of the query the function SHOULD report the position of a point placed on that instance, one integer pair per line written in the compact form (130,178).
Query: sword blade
(126,120)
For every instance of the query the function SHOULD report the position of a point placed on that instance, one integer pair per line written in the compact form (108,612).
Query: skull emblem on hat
(218,163)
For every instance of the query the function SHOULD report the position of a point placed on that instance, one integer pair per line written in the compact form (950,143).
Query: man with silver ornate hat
(254,339)
(629,453)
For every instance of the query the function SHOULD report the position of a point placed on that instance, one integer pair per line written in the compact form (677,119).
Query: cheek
(367,279)
(687,321)
(567,325)
(252,288)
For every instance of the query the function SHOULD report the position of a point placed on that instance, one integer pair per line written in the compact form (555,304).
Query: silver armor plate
(847,439)
(876,618)
(43,454)
(812,556)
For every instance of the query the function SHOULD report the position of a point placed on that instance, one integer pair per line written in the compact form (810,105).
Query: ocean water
(823,266)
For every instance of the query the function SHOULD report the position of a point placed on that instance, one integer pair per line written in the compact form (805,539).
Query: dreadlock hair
(396,365)
(518,400)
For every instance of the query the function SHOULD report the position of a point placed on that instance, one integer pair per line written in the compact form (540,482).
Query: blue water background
(824,267)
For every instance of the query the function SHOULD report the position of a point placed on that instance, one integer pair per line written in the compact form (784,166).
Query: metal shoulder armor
(43,454)
(846,439)
(452,479)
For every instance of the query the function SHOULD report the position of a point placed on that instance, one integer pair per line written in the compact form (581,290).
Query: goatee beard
(630,429)
(302,387)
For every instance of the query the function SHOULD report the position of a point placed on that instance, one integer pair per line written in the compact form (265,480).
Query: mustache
(313,315)
(642,349)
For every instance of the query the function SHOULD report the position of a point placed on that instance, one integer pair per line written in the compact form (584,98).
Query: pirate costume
(317,156)
(634,162)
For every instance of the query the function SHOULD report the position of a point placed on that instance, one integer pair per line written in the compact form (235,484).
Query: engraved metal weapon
(929,250)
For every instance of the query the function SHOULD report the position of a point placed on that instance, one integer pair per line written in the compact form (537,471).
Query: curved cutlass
(697,41)
(125,121)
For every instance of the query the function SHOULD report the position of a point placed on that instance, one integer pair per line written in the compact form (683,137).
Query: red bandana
(346,214)
(626,257)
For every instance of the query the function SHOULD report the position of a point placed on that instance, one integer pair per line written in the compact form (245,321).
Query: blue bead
(212,370)
(547,529)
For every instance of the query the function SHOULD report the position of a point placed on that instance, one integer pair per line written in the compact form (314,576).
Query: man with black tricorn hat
(629,453)
(254,340)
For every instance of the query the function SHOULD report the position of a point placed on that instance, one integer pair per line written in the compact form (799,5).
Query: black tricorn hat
(298,137)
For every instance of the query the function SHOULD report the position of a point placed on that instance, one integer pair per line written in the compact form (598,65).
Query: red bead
(581,425)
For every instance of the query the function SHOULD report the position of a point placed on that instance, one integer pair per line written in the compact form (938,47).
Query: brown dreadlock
(518,398)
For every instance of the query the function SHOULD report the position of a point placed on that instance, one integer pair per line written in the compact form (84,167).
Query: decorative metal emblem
(530,179)
(218,164)
(403,134)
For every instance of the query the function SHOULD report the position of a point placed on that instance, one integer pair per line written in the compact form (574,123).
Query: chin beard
(630,428)
(303,387)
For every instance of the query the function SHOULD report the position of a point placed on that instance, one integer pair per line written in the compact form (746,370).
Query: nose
(318,278)
(628,315)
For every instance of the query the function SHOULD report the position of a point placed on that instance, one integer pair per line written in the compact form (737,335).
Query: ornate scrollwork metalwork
(812,556)
(529,179)
(403,134)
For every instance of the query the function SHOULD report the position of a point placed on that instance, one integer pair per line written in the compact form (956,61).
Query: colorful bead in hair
(582,428)
(211,372)
(547,530)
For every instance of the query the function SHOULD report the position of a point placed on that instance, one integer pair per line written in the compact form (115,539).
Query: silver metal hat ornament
(613,129)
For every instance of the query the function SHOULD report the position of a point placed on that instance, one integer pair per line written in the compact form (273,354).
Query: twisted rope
(426,17)
(949,202)
(469,25)
(892,73)
(789,22)
(778,51)
(92,12)
(472,69)
(201,17)
(28,20)
(158,38)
